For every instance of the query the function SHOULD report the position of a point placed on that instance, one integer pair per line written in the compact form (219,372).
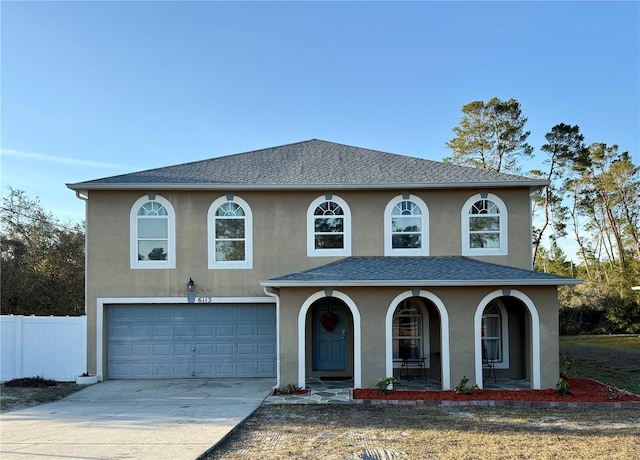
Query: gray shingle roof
(310,164)
(416,272)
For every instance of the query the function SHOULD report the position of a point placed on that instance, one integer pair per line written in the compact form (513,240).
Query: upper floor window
(152,230)
(328,227)
(484,226)
(406,221)
(230,233)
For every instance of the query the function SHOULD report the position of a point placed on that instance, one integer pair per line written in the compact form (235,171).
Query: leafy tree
(42,261)
(491,136)
(611,204)
(564,149)
(554,260)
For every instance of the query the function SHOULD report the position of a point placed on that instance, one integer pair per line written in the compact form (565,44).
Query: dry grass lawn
(15,398)
(461,432)
(422,432)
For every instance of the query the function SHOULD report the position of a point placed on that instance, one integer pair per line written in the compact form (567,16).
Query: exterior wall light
(191,291)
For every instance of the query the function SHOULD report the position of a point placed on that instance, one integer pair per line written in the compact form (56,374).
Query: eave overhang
(418,283)
(413,272)
(87,186)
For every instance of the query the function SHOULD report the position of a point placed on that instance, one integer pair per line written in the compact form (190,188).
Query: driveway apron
(133,419)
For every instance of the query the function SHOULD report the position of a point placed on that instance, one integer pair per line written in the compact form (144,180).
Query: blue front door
(330,338)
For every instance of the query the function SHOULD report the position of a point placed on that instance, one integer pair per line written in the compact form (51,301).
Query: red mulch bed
(580,390)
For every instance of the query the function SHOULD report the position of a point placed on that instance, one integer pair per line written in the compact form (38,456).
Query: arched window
(409,341)
(230,234)
(406,221)
(484,226)
(328,227)
(152,230)
(492,334)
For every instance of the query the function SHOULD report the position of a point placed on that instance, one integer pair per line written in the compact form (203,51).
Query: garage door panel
(204,313)
(162,370)
(183,314)
(246,368)
(225,369)
(205,368)
(246,349)
(204,331)
(182,331)
(266,368)
(143,331)
(266,348)
(267,330)
(182,370)
(224,349)
(140,350)
(225,311)
(183,350)
(246,330)
(224,330)
(161,349)
(161,331)
(204,350)
(164,341)
(119,330)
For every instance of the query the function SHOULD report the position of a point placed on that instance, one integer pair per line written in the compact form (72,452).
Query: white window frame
(424,332)
(345,251)
(503,363)
(503,249)
(245,264)
(389,250)
(136,264)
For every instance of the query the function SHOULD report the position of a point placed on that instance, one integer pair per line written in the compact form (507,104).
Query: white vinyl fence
(52,347)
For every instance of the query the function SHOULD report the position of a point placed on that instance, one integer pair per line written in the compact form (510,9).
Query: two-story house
(317,259)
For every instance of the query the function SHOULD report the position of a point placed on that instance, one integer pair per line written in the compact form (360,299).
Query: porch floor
(337,392)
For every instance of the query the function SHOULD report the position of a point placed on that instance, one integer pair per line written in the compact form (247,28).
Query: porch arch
(302,337)
(535,333)
(444,333)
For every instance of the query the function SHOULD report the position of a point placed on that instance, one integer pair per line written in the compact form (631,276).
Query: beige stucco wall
(460,304)
(279,229)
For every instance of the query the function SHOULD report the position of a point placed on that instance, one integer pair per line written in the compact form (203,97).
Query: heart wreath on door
(329,321)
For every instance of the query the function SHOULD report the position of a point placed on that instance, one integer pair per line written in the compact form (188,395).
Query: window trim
(389,250)
(503,233)
(246,264)
(504,331)
(136,264)
(424,332)
(345,251)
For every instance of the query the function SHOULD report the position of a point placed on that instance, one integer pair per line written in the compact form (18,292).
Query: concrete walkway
(133,419)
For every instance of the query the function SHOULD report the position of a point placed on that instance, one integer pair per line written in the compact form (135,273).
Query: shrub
(288,389)
(462,387)
(383,384)
(562,387)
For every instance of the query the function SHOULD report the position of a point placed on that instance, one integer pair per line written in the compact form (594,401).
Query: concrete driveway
(133,419)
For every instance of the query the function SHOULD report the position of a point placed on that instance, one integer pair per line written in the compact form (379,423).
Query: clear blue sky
(94,89)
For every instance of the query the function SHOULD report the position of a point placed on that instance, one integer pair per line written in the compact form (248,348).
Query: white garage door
(191,340)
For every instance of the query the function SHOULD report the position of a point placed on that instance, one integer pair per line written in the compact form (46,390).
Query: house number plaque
(204,300)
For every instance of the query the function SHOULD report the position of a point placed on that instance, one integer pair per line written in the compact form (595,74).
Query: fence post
(18,347)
